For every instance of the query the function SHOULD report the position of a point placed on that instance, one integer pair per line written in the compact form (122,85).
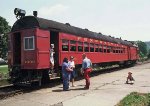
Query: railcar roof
(31,22)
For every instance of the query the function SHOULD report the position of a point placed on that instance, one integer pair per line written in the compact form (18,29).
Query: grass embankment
(135,99)
(3,75)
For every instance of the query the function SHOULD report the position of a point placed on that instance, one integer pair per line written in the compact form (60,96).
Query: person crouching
(130,79)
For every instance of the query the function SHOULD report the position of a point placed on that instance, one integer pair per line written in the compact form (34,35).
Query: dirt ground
(106,90)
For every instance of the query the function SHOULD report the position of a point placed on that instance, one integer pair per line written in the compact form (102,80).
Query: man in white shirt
(52,56)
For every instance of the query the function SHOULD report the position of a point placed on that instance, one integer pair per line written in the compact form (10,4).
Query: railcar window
(80,47)
(65,46)
(104,48)
(96,47)
(111,49)
(86,47)
(64,41)
(29,43)
(100,48)
(73,42)
(72,48)
(122,50)
(91,47)
(72,45)
(117,51)
(108,49)
(114,50)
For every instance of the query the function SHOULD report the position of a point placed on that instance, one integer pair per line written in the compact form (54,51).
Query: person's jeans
(66,79)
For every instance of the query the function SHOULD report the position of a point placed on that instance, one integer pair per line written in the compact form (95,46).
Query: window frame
(86,46)
(33,37)
(108,49)
(96,47)
(101,48)
(74,45)
(64,44)
(80,44)
(92,47)
(104,48)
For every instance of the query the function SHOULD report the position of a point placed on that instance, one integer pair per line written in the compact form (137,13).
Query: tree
(148,54)
(4,29)
(142,47)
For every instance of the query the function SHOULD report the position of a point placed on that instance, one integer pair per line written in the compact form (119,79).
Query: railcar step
(53,76)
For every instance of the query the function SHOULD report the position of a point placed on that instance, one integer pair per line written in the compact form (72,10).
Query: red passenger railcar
(29,48)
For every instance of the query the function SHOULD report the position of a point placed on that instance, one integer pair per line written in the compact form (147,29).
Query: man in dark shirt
(66,72)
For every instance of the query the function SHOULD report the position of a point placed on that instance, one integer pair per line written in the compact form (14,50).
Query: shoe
(74,85)
(66,89)
(86,87)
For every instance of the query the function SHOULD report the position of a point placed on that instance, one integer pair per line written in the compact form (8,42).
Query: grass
(135,99)
(3,75)
(4,69)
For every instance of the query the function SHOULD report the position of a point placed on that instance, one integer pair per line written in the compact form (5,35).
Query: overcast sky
(128,19)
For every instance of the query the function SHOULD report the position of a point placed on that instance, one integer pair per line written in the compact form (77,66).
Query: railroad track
(8,91)
(11,90)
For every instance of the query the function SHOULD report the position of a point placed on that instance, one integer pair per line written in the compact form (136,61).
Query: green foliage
(148,54)
(142,48)
(148,44)
(141,54)
(4,29)
(135,99)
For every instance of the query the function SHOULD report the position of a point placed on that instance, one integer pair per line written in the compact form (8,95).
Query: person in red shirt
(130,78)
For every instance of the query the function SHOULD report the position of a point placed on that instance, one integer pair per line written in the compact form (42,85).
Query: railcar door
(17,49)
(54,39)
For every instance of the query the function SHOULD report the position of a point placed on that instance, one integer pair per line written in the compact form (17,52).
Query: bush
(135,99)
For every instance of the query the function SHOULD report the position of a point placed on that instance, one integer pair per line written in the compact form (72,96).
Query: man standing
(66,71)
(86,67)
(52,56)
